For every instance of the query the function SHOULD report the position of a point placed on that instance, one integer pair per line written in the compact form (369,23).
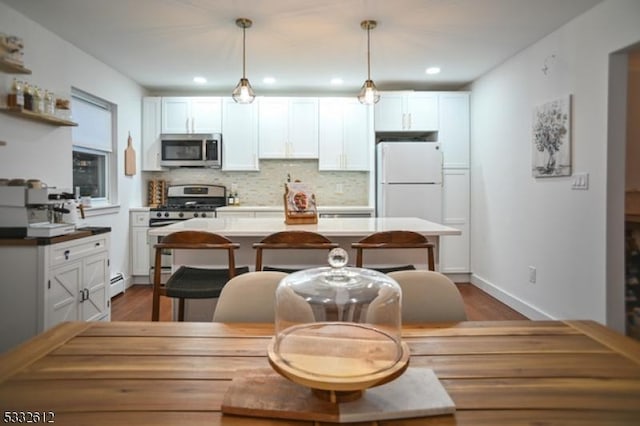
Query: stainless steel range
(187,202)
(183,202)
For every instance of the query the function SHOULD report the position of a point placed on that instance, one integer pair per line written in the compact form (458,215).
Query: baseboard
(459,277)
(510,300)
(140,279)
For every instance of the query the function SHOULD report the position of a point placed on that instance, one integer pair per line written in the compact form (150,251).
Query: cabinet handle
(86,297)
(82,295)
(66,254)
(97,244)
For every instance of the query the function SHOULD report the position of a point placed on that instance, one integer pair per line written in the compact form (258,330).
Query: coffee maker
(33,212)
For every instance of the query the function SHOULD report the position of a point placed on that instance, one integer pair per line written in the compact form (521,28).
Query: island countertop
(330,227)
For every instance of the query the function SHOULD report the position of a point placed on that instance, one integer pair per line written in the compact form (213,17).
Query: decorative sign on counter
(299,204)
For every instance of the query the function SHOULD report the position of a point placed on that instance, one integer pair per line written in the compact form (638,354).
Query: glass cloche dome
(338,329)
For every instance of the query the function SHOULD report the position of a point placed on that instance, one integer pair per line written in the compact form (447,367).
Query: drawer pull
(97,244)
(66,254)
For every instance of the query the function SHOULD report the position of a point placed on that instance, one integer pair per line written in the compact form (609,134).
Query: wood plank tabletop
(496,372)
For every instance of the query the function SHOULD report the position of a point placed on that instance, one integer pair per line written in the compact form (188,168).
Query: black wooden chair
(190,282)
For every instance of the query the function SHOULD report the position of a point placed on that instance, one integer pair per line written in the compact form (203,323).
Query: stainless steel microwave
(191,150)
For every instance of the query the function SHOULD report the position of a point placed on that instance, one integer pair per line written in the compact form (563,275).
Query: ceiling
(303,44)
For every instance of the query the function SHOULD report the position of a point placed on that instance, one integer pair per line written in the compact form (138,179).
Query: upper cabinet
(288,127)
(191,115)
(453,133)
(345,134)
(240,135)
(406,111)
(151,125)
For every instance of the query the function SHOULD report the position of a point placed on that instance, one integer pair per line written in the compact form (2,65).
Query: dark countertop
(82,232)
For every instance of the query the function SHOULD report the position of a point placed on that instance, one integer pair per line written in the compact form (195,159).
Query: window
(94,173)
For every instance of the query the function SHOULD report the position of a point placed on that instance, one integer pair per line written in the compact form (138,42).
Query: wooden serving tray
(417,393)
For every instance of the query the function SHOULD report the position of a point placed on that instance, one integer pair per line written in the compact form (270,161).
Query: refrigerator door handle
(383,174)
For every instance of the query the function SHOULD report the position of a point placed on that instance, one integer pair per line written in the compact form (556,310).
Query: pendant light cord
(368,53)
(244,51)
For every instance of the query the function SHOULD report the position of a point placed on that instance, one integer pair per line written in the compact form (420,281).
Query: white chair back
(248,297)
(429,296)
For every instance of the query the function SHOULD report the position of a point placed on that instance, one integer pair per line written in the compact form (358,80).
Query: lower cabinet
(140,250)
(78,291)
(454,250)
(46,284)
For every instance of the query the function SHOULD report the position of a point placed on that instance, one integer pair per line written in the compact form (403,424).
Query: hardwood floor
(135,305)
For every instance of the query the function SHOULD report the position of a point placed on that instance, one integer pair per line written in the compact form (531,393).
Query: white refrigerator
(409,180)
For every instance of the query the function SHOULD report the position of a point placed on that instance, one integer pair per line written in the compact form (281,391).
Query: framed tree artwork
(551,138)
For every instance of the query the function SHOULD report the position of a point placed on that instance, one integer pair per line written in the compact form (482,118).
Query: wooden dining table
(144,373)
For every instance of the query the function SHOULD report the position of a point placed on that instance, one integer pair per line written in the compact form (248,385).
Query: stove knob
(180,214)
(195,215)
(166,214)
(203,214)
(158,214)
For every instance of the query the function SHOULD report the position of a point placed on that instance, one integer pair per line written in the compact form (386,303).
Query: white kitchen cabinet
(78,291)
(454,250)
(78,283)
(288,127)
(140,253)
(240,136)
(192,114)
(151,129)
(453,131)
(346,139)
(51,283)
(406,111)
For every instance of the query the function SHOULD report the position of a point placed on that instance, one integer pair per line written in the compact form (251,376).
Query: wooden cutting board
(129,158)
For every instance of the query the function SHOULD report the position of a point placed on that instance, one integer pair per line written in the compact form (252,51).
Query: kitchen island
(343,231)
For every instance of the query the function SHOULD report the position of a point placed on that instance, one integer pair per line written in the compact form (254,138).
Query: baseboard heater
(117,284)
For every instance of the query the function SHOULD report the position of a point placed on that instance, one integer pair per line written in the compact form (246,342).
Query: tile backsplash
(266,187)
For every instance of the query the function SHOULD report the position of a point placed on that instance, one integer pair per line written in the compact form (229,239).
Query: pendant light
(369,92)
(243,93)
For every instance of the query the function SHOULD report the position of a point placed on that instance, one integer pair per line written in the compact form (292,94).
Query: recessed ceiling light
(433,70)
(199,80)
(336,81)
(269,80)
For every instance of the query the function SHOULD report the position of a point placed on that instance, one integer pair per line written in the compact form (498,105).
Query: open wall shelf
(42,118)
(11,68)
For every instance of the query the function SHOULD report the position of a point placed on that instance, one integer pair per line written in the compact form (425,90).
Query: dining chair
(248,297)
(394,240)
(429,296)
(290,240)
(189,282)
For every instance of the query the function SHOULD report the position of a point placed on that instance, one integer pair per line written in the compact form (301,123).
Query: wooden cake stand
(337,360)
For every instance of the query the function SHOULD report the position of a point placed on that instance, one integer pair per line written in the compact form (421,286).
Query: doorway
(623,192)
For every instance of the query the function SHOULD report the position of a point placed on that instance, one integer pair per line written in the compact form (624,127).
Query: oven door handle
(163,223)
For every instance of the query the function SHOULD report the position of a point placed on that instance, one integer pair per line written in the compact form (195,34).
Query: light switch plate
(580,181)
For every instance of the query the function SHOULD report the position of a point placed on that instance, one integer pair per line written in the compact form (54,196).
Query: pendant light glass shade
(369,92)
(243,93)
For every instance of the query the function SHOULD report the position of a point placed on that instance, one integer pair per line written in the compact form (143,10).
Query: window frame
(111,157)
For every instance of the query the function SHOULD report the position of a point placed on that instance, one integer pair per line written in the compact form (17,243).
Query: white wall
(40,151)
(518,221)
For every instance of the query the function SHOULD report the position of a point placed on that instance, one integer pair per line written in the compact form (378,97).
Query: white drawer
(70,251)
(139,218)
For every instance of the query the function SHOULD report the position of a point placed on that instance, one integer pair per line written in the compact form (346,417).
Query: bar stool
(394,240)
(290,240)
(190,282)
